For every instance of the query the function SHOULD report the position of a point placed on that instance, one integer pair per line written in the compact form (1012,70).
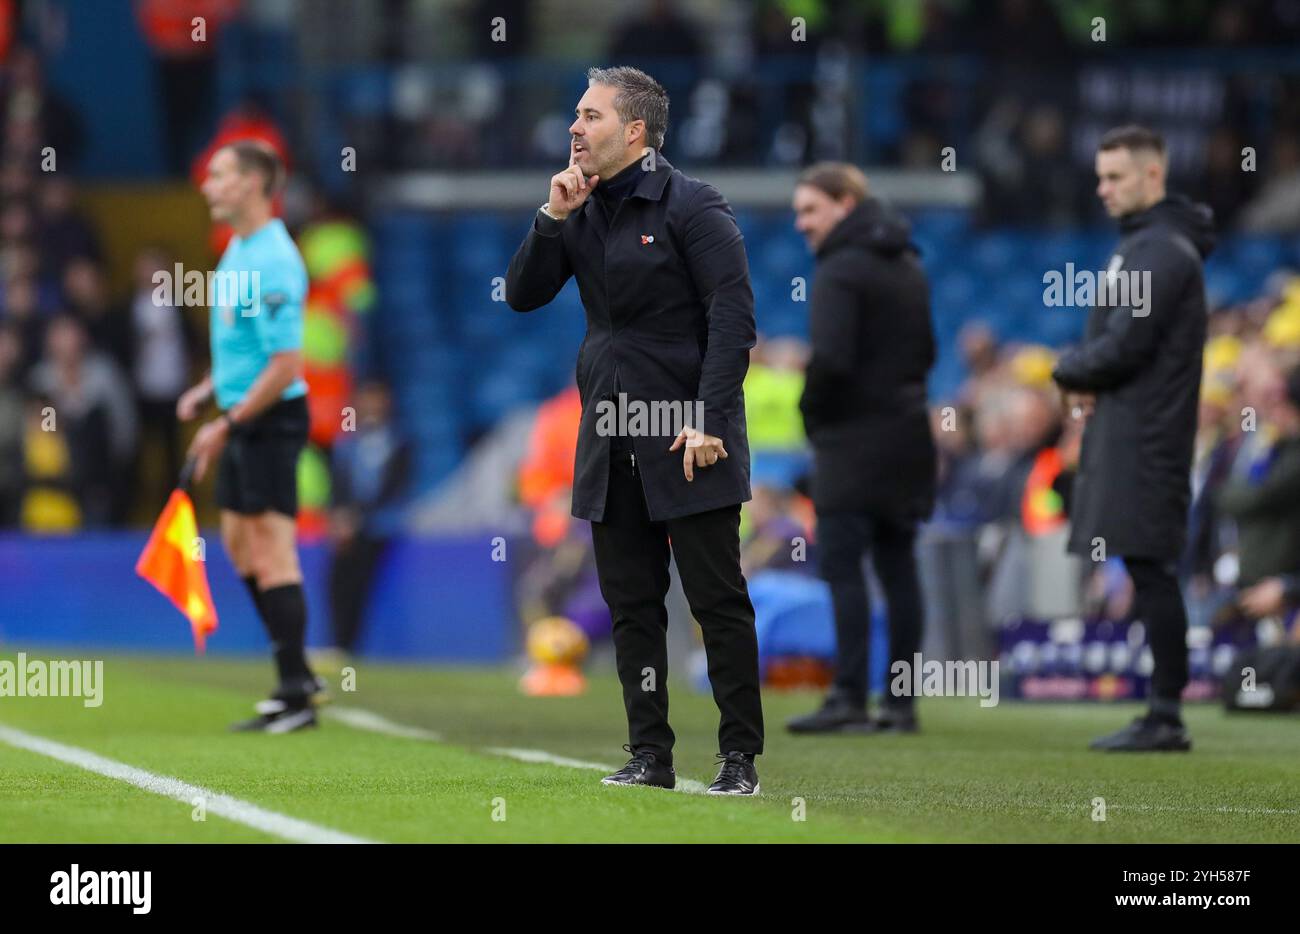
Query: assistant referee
(256,377)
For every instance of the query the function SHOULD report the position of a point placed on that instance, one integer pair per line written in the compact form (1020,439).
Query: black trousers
(843,538)
(351,573)
(632,558)
(1158,602)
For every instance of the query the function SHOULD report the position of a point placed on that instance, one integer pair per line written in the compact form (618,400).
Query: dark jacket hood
(870,225)
(1194,221)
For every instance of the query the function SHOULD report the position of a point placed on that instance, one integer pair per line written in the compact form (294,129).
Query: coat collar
(651,187)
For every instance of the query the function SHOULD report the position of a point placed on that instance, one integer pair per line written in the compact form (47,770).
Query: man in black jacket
(864,409)
(662,452)
(1137,377)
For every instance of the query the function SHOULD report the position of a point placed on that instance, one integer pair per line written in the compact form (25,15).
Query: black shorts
(259,466)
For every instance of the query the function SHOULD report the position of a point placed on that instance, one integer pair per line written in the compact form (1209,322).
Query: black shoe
(313,689)
(1146,734)
(835,715)
(897,720)
(736,777)
(644,768)
(275,716)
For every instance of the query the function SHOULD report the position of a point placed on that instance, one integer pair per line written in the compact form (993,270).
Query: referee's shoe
(286,711)
(277,716)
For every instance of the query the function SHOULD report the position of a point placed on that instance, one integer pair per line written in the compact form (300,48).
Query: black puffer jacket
(864,405)
(1133,486)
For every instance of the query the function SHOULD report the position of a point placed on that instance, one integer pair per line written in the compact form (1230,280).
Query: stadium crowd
(85,375)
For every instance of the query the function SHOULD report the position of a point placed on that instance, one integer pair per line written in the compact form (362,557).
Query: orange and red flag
(172,561)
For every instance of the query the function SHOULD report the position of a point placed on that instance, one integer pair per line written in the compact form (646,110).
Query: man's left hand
(207,445)
(698,450)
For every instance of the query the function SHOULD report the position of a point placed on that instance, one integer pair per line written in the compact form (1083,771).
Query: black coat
(1133,486)
(864,403)
(670,319)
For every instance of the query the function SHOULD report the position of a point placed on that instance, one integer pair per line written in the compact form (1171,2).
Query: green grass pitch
(1015,772)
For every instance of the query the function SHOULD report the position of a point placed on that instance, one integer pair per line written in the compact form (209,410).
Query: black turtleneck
(610,192)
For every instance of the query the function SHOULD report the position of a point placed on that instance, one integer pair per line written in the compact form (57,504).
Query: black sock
(285,612)
(250,581)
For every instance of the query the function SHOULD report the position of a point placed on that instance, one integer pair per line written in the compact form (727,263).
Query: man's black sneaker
(275,716)
(897,719)
(834,716)
(644,768)
(737,776)
(312,688)
(1146,734)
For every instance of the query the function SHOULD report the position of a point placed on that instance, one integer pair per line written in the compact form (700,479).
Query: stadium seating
(445,339)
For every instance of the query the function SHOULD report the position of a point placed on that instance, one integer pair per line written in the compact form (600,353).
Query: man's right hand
(569,189)
(193,399)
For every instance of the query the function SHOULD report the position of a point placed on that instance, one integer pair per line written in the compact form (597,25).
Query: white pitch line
(367,720)
(543,757)
(361,719)
(242,812)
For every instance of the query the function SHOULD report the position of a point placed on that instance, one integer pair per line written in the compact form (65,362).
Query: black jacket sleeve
(540,266)
(715,256)
(833,329)
(1129,341)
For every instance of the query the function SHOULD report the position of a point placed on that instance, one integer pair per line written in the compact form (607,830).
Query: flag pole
(186,479)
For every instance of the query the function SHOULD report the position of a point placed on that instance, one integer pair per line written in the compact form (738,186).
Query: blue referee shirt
(257,307)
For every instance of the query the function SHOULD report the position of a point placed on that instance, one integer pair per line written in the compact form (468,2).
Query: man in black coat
(1137,378)
(864,409)
(662,452)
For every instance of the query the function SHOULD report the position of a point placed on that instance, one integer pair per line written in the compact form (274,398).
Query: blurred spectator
(1276,209)
(12,417)
(108,324)
(660,39)
(162,348)
(22,313)
(65,234)
(948,545)
(95,415)
(35,117)
(1225,186)
(49,500)
(185,67)
(1264,502)
(371,468)
(1217,441)
(770,531)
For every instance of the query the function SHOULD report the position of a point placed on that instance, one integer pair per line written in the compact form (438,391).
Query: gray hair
(639,97)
